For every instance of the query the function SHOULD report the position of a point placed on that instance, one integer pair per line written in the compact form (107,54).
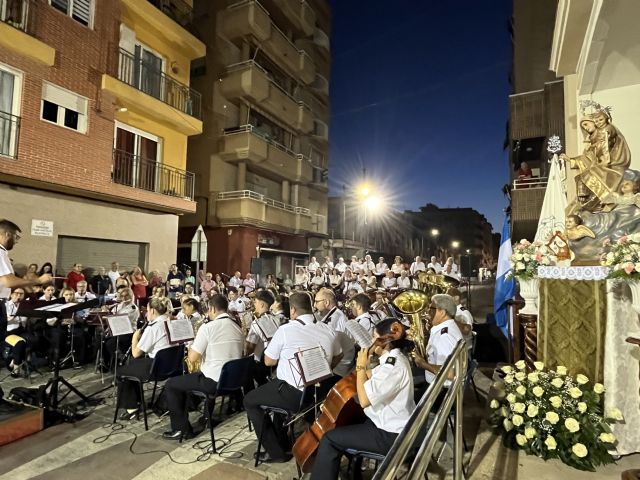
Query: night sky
(419,96)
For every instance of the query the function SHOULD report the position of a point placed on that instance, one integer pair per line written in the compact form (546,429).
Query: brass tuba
(412,303)
(194,367)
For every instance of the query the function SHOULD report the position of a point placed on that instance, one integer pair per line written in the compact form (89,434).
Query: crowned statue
(607,203)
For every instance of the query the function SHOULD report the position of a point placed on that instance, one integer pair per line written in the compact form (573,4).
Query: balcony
(320,224)
(298,15)
(248,207)
(147,90)
(249,19)
(17,31)
(250,82)
(249,143)
(9,133)
(319,109)
(527,196)
(167,20)
(319,48)
(152,176)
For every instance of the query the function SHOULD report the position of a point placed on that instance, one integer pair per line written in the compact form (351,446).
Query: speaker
(469,265)
(256,266)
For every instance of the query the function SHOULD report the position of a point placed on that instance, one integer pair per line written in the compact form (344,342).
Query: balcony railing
(15,13)
(149,79)
(178,10)
(150,175)
(533,182)
(9,132)
(239,194)
(259,133)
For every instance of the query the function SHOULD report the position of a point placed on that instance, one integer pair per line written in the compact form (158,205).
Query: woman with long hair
(139,283)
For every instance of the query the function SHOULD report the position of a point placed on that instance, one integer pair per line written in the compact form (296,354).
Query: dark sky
(419,96)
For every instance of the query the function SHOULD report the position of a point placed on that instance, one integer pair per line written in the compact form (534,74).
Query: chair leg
(249,423)
(144,406)
(222,405)
(115,415)
(209,417)
(153,394)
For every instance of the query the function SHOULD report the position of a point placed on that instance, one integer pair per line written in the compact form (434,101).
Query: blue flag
(505,287)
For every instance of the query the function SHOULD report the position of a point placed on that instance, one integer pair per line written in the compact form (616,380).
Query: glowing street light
(435,232)
(468,250)
(372,202)
(455,244)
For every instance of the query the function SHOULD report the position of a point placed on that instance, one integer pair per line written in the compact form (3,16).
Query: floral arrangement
(526,259)
(553,415)
(622,256)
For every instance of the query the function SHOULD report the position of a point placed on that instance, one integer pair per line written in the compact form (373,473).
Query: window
(10,87)
(64,108)
(79,10)
(136,158)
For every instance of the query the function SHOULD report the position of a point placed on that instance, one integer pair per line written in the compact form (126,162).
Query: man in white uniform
(331,315)
(341,266)
(417,266)
(435,265)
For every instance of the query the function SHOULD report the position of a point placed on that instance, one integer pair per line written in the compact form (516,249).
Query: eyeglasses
(319,300)
(432,307)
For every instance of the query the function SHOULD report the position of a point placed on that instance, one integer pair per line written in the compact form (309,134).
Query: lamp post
(434,234)
(455,245)
(468,278)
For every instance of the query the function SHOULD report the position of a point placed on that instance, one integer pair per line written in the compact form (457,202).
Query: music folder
(53,308)
(119,324)
(311,365)
(179,331)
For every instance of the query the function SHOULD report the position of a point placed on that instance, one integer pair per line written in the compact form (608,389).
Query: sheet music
(57,307)
(314,365)
(120,325)
(180,330)
(360,334)
(267,327)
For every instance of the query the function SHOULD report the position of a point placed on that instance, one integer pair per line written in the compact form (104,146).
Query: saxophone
(194,367)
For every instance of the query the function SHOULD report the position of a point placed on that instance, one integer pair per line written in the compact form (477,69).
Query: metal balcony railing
(15,13)
(150,175)
(177,10)
(532,182)
(9,133)
(239,194)
(147,78)
(258,132)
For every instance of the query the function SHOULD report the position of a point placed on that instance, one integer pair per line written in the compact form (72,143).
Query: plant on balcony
(623,257)
(526,259)
(550,414)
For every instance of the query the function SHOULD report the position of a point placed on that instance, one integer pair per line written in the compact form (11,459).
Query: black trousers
(18,353)
(128,391)
(175,391)
(259,373)
(123,342)
(365,436)
(276,393)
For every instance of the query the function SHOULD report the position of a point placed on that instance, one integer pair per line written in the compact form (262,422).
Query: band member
(125,306)
(386,394)
(217,342)
(190,311)
(256,341)
(82,295)
(149,340)
(331,315)
(463,317)
(437,268)
(381,268)
(389,281)
(360,306)
(351,282)
(302,332)
(17,339)
(397,266)
(280,309)
(417,266)
(404,282)
(236,305)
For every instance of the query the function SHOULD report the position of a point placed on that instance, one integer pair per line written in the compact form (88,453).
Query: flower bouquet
(623,257)
(526,259)
(553,415)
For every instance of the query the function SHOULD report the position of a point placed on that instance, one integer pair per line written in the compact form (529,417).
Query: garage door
(93,253)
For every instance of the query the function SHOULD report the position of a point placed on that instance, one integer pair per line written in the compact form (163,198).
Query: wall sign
(41,228)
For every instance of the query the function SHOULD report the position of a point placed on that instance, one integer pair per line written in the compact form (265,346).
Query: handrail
(179,10)
(389,469)
(530,182)
(248,128)
(9,134)
(237,194)
(15,13)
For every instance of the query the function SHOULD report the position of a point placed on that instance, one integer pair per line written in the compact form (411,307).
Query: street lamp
(455,244)
(434,233)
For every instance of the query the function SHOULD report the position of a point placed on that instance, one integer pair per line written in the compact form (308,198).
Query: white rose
(511,398)
(615,414)
(532,411)
(607,437)
(518,256)
(507,369)
(575,392)
(533,377)
(504,412)
(520,266)
(557,382)
(560,370)
(546,260)
(520,376)
(552,418)
(517,420)
(521,439)
(521,390)
(538,391)
(610,257)
(582,407)
(508,379)
(580,450)
(598,388)
(494,404)
(520,365)
(556,401)
(530,432)
(550,442)
(572,425)
(518,407)
(508,426)
(582,379)
(526,257)
(539,366)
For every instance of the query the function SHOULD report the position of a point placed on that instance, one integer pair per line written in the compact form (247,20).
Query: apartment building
(263,157)
(95,113)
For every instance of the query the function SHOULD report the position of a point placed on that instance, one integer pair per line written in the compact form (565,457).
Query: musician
(341,266)
(381,300)
(255,342)
(370,278)
(236,305)
(302,332)
(397,266)
(404,282)
(437,268)
(125,306)
(244,298)
(386,394)
(148,340)
(327,306)
(389,281)
(81,294)
(17,339)
(350,282)
(189,292)
(217,342)
(190,311)
(280,309)
(313,265)
(417,266)
(463,317)
(360,306)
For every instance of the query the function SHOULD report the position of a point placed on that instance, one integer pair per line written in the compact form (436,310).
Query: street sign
(199,245)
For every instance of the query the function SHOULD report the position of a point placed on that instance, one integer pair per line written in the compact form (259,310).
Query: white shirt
(397,268)
(389,282)
(352,284)
(442,341)
(300,334)
(356,267)
(417,267)
(235,282)
(113,276)
(130,309)
(313,266)
(255,336)
(390,391)
(381,268)
(5,269)
(367,321)
(13,322)
(404,282)
(237,305)
(337,320)
(436,266)
(327,265)
(84,298)
(341,267)
(464,316)
(218,341)
(154,337)
(319,280)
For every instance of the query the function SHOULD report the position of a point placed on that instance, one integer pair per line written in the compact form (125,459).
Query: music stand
(53,385)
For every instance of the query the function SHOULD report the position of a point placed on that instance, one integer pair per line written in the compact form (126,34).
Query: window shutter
(82,11)
(64,98)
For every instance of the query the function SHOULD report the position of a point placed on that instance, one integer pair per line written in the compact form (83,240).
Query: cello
(339,408)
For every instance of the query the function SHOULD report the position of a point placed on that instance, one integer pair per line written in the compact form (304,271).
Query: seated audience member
(389,280)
